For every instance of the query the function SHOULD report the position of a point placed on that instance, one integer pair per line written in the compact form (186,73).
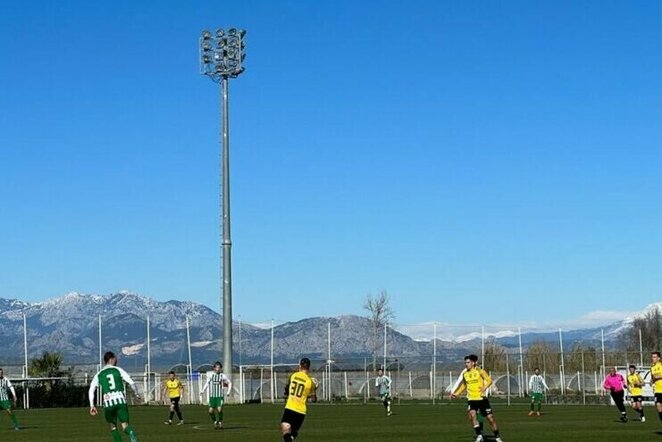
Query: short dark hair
(218,363)
(108,356)
(472,358)
(656,353)
(632,366)
(536,369)
(305,362)
(171,372)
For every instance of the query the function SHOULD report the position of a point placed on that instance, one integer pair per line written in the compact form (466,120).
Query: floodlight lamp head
(232,32)
(206,35)
(242,32)
(220,33)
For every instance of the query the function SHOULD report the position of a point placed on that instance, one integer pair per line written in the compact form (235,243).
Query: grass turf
(409,422)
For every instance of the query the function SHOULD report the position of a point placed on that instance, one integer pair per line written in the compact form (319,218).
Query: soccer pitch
(409,422)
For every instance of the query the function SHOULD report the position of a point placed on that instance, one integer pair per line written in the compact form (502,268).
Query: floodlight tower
(221,58)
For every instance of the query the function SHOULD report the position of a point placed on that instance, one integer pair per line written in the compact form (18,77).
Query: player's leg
(123,417)
(178,411)
(220,415)
(486,411)
(7,406)
(658,404)
(539,403)
(171,410)
(110,413)
(533,403)
(474,421)
(286,431)
(617,396)
(212,411)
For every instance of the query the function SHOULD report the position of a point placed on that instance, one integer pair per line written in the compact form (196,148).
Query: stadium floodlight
(221,58)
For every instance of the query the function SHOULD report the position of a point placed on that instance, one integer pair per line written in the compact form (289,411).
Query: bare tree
(380,313)
(650,326)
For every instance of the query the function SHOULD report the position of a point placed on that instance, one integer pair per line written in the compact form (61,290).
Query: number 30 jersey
(299,387)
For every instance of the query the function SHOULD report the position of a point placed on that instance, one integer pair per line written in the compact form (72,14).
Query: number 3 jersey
(111,380)
(299,387)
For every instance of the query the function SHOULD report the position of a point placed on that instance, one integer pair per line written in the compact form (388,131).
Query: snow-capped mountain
(70,326)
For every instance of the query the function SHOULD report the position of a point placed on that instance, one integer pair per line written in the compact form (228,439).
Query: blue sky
(483,162)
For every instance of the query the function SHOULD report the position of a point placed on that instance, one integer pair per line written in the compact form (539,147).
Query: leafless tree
(380,314)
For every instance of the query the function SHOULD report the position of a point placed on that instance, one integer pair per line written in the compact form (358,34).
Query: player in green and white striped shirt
(219,386)
(5,403)
(111,380)
(537,387)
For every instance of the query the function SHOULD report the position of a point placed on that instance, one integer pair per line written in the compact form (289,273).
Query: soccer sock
(179,415)
(13,419)
(478,430)
(172,413)
(213,417)
(539,406)
(287,437)
(641,412)
(220,416)
(117,437)
(532,404)
(659,414)
(496,433)
(128,430)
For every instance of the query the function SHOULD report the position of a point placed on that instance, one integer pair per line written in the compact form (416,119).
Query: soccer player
(615,384)
(656,380)
(383,382)
(5,403)
(174,389)
(299,388)
(111,379)
(476,381)
(635,385)
(219,386)
(537,387)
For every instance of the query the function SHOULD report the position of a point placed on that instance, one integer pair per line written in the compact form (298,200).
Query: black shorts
(482,406)
(636,398)
(293,418)
(658,398)
(174,401)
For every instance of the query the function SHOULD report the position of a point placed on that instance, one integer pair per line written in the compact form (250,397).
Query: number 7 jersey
(300,386)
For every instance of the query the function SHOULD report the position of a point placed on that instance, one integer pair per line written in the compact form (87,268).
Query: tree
(49,365)
(380,313)
(650,326)
(495,356)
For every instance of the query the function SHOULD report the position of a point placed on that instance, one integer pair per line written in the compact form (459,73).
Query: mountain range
(70,326)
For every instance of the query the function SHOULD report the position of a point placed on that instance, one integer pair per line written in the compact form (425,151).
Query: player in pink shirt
(616,385)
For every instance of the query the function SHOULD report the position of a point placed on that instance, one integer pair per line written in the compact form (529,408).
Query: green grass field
(410,422)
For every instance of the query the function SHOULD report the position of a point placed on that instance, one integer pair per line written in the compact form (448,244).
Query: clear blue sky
(448,152)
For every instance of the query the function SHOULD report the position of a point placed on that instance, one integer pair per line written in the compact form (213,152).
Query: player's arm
(181,389)
(544,384)
(487,380)
(459,386)
(90,394)
(126,378)
(313,390)
(11,389)
(286,393)
(229,390)
(204,388)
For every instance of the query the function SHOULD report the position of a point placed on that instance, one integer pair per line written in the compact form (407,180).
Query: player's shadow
(659,433)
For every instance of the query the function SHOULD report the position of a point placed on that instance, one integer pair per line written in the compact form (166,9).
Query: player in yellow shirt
(635,387)
(299,388)
(173,389)
(476,381)
(656,380)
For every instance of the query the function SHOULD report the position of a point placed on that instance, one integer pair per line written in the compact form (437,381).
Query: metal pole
(26,401)
(149,366)
(240,363)
(641,350)
(100,346)
(562,362)
(520,373)
(328,325)
(482,344)
(226,242)
(385,328)
(434,362)
(271,382)
(604,365)
(190,360)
